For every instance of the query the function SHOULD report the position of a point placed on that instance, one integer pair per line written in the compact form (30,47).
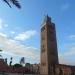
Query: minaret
(49,53)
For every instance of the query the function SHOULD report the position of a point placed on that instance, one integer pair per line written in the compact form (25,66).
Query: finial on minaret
(46,20)
(47,15)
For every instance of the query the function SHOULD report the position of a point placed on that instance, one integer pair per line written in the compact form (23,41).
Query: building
(49,53)
(5,68)
(33,68)
(62,69)
(3,65)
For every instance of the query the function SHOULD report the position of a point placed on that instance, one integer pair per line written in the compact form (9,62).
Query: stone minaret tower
(49,53)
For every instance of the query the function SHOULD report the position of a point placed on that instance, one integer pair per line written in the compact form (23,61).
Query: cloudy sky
(20,29)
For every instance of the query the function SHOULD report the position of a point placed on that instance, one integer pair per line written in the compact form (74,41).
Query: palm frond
(14,2)
(7,3)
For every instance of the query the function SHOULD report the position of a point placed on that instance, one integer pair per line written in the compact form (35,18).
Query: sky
(20,29)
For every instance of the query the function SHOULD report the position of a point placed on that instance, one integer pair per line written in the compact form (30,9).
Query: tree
(11,61)
(6,60)
(22,61)
(0,52)
(14,2)
(17,65)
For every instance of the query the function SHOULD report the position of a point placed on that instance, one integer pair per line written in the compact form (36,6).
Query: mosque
(49,53)
(49,63)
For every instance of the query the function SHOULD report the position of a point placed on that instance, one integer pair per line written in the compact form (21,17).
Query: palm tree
(14,2)
(11,60)
(0,53)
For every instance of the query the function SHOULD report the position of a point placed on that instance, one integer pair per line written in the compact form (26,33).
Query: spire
(47,19)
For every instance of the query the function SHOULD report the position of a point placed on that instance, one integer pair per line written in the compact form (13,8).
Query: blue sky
(20,29)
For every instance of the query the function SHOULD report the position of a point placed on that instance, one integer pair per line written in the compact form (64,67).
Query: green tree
(0,52)
(17,65)
(11,61)
(22,61)
(14,2)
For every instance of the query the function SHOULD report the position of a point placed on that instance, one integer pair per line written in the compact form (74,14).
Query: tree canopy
(17,65)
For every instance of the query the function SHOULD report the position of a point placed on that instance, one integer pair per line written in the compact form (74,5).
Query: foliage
(14,2)
(17,65)
(22,60)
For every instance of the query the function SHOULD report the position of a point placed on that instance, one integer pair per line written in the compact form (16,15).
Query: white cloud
(2,24)
(25,35)
(68,56)
(12,32)
(65,7)
(14,47)
(3,35)
(65,60)
(71,37)
(71,51)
